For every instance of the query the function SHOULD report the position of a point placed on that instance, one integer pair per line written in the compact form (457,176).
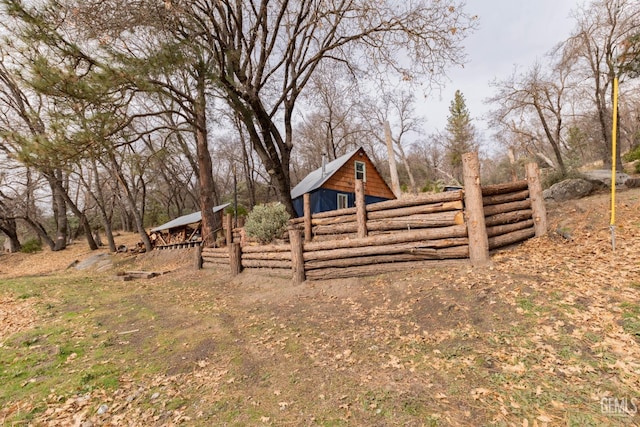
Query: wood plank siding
(344,179)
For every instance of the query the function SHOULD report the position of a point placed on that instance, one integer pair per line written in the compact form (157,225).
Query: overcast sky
(510,32)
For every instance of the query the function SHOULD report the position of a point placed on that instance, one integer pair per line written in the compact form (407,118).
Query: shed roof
(315,179)
(191,218)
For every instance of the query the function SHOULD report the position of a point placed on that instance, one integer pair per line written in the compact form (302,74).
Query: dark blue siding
(323,200)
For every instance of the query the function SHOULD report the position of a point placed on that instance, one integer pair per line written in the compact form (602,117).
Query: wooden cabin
(332,186)
(185,230)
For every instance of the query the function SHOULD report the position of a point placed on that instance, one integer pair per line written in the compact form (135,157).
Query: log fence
(443,229)
(508,213)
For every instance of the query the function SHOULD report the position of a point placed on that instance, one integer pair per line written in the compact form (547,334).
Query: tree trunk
(31,208)
(143,201)
(9,227)
(59,209)
(82,217)
(555,143)
(99,198)
(395,183)
(131,202)
(405,162)
(108,231)
(205,170)
(267,142)
(247,171)
(605,121)
(282,185)
(40,231)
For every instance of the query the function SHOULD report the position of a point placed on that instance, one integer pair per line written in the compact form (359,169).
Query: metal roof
(315,179)
(191,218)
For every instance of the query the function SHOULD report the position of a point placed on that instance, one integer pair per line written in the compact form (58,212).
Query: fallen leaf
(543,418)
(476,393)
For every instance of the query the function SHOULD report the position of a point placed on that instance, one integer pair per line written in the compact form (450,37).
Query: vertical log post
(361,209)
(306,201)
(197,257)
(297,256)
(474,210)
(228,223)
(235,258)
(537,199)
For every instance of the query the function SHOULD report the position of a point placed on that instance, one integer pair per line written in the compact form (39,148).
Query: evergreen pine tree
(460,135)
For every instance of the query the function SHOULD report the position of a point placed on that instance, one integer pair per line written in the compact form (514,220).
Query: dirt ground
(543,336)
(47,262)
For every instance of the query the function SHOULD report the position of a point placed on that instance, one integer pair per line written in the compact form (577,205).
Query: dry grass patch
(47,262)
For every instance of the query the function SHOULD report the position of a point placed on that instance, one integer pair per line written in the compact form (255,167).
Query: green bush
(31,246)
(267,222)
(633,155)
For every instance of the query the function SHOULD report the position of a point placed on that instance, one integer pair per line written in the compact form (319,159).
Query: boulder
(603,177)
(94,261)
(568,189)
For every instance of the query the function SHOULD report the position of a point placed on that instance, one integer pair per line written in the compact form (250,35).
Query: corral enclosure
(421,231)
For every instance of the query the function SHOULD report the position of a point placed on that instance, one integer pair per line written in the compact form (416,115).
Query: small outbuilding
(332,186)
(184,230)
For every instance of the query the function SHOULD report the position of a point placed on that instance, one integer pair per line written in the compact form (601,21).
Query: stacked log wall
(266,256)
(427,229)
(508,213)
(425,211)
(215,257)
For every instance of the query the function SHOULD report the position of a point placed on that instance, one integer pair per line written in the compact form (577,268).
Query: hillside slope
(546,335)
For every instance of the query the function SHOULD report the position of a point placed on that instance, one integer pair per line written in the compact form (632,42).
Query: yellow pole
(614,140)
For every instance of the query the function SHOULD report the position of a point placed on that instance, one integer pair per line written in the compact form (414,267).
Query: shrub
(267,222)
(633,155)
(31,246)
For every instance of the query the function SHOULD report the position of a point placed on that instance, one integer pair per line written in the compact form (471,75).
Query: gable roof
(191,218)
(315,179)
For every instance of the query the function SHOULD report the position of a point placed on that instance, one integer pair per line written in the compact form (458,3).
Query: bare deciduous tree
(398,108)
(602,29)
(531,104)
(267,52)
